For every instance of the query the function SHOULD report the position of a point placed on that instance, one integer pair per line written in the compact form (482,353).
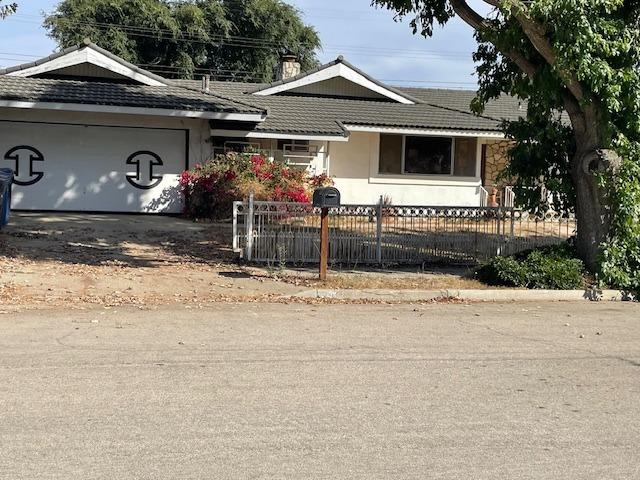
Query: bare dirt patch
(76,260)
(54,260)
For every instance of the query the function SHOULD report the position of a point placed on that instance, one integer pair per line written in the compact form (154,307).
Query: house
(85,130)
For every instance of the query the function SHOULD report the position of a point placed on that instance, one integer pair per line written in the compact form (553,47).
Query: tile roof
(304,114)
(286,112)
(172,97)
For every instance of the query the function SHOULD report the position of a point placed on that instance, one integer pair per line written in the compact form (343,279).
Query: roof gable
(87,61)
(337,79)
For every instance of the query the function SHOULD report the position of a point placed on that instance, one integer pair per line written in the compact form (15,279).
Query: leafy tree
(577,64)
(269,23)
(6,10)
(230,39)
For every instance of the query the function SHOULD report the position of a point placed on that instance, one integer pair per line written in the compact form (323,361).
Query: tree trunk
(591,211)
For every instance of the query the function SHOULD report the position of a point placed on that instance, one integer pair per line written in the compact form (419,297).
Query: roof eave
(428,131)
(255,117)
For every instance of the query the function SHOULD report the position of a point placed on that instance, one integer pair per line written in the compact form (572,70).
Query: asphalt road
(312,392)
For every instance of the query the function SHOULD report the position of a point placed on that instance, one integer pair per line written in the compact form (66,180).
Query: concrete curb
(504,295)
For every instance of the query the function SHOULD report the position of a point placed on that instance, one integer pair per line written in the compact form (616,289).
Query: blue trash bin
(6,180)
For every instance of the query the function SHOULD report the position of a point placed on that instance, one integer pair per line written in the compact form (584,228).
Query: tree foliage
(577,64)
(229,39)
(8,9)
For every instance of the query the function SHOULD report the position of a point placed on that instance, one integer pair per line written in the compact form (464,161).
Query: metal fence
(289,233)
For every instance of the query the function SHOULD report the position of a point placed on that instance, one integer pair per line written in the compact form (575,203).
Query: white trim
(158,112)
(327,158)
(424,132)
(479,144)
(277,136)
(93,57)
(435,180)
(336,70)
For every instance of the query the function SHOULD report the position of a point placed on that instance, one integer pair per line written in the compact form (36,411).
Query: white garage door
(94,168)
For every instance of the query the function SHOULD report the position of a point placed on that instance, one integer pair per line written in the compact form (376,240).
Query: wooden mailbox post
(325,198)
(324,243)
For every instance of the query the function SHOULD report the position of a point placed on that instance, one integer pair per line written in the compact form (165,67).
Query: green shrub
(550,268)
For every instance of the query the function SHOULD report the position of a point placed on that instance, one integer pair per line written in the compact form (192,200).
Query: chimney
(289,66)
(206,83)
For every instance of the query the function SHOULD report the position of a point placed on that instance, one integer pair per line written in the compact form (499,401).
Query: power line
(228,74)
(248,42)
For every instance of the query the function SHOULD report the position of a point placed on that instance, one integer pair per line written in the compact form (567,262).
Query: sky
(367,37)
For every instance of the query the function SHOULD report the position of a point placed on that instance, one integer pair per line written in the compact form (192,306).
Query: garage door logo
(151,160)
(21,156)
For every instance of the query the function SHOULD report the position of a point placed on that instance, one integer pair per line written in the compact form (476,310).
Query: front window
(421,155)
(428,155)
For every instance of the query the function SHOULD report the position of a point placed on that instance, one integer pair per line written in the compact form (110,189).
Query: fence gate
(279,233)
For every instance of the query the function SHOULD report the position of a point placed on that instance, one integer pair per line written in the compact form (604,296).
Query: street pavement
(234,391)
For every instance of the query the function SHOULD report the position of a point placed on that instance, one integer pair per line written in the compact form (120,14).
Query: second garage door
(94,168)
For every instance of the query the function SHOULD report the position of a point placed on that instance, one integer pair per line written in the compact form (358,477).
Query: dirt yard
(56,259)
(78,259)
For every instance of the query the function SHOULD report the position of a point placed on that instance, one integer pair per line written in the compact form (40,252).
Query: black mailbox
(326,198)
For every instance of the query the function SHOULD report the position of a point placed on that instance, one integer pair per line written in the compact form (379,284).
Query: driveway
(53,259)
(484,392)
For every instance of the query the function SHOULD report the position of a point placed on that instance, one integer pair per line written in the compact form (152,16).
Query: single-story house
(85,130)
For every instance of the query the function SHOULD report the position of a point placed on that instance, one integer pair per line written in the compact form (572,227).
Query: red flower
(185,179)
(258,160)
(298,195)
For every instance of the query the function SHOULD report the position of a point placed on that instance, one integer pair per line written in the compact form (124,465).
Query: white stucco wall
(354,166)
(85,158)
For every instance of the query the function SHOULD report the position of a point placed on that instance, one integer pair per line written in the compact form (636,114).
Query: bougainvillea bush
(211,188)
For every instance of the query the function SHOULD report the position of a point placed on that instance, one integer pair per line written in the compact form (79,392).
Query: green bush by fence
(552,268)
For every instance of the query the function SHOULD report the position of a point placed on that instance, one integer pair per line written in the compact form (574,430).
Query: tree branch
(534,31)
(536,34)
(468,14)
(478,22)
(525,65)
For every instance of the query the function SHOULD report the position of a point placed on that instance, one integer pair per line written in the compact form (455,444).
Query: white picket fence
(289,233)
